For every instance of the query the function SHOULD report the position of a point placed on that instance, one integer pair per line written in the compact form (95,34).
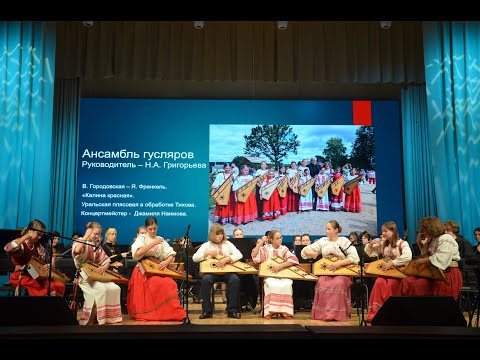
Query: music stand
(245,246)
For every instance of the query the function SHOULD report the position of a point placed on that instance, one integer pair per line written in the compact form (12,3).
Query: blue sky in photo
(226,141)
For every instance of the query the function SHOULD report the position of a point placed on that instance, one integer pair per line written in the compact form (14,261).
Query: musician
(303,291)
(397,252)
(218,244)
(247,211)
(465,250)
(282,172)
(270,207)
(258,173)
(292,197)
(305,202)
(101,299)
(248,282)
(440,250)
(278,293)
(153,298)
(142,230)
(314,169)
(117,258)
(353,201)
(332,299)
(57,248)
(21,251)
(224,214)
(336,200)
(322,204)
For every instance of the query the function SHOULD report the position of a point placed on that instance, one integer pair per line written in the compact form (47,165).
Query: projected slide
(172,158)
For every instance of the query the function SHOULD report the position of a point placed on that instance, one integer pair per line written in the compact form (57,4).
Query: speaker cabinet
(420,311)
(35,310)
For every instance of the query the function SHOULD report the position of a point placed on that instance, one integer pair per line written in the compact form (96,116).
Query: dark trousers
(233,291)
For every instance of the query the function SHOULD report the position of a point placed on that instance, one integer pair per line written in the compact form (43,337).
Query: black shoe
(233,315)
(206,315)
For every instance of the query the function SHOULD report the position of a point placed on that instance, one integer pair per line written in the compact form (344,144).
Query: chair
(10,290)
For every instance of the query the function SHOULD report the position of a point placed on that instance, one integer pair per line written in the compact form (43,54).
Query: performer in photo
(245,211)
(292,197)
(21,251)
(270,207)
(224,214)
(305,202)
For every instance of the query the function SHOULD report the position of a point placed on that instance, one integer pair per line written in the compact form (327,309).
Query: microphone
(185,244)
(344,251)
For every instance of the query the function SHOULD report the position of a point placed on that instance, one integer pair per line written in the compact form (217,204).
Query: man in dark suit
(314,168)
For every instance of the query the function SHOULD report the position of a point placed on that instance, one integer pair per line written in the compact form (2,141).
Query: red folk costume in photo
(353,201)
(292,197)
(270,207)
(224,214)
(247,211)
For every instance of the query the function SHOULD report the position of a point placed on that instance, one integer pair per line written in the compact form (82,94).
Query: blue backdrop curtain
(27,71)
(420,200)
(452,74)
(65,119)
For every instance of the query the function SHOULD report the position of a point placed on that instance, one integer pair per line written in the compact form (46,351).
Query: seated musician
(153,298)
(117,261)
(218,244)
(303,291)
(57,247)
(440,250)
(101,299)
(332,299)
(278,299)
(21,251)
(248,282)
(113,251)
(398,253)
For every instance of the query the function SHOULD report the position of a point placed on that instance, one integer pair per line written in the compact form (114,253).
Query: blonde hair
(214,230)
(34,225)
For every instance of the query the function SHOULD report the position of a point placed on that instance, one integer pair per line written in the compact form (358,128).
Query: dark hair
(150,221)
(55,234)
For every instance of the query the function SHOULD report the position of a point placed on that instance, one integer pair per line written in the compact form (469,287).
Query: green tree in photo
(271,141)
(363,148)
(335,151)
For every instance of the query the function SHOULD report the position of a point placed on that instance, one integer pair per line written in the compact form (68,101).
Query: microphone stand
(50,254)
(362,285)
(186,321)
